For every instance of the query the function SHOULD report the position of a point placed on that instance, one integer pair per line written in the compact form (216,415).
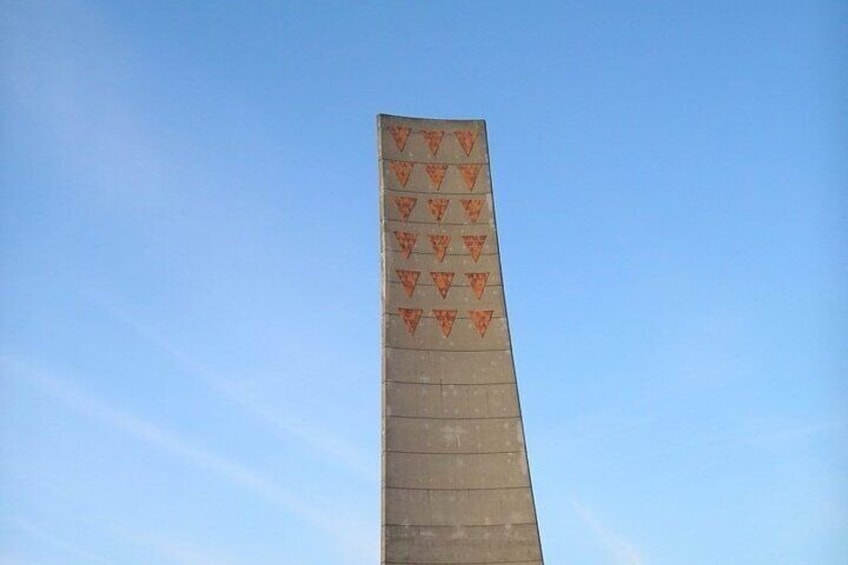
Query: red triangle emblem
(474,243)
(410,317)
(443,282)
(400,135)
(405,204)
(477,282)
(466,139)
(434,139)
(408,279)
(481,319)
(437,207)
(402,170)
(472,209)
(446,319)
(406,242)
(469,174)
(436,172)
(440,245)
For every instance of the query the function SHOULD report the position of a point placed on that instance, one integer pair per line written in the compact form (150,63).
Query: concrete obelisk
(456,484)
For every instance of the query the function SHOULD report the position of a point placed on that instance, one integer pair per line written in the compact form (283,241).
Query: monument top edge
(400,120)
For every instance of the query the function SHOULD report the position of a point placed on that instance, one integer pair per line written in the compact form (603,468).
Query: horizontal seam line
(487,254)
(460,525)
(451,351)
(399,348)
(402,417)
(460,562)
(384,158)
(436,223)
(392,281)
(447,384)
(389,313)
(455,489)
(452,452)
(467,192)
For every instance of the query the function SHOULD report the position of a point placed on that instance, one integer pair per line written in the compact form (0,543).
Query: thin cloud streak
(620,550)
(332,448)
(179,552)
(120,157)
(56,542)
(171,443)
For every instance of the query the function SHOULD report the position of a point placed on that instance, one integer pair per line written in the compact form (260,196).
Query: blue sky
(189,337)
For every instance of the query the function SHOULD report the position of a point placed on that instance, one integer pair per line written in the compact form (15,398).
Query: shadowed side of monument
(456,485)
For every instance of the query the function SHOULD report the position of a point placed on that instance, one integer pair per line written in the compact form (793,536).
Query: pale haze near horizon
(189,305)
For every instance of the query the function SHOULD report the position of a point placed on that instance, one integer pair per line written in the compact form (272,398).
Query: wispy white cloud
(180,552)
(621,551)
(235,473)
(66,547)
(9,559)
(288,426)
(168,549)
(69,92)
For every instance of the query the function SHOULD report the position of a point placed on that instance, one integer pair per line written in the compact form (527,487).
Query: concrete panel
(450,401)
(478,507)
(456,486)
(455,471)
(449,367)
(424,435)
(463,544)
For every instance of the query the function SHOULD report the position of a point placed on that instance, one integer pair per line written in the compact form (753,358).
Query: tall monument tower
(456,484)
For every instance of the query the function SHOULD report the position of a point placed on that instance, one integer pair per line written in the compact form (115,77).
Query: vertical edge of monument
(383,279)
(512,349)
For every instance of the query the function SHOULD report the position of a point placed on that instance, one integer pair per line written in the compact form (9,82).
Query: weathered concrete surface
(456,487)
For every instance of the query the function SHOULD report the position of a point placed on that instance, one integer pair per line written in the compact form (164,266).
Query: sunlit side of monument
(456,485)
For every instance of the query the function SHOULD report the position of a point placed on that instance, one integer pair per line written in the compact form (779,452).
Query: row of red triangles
(479,319)
(434,137)
(436,172)
(440,242)
(443,281)
(437,207)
